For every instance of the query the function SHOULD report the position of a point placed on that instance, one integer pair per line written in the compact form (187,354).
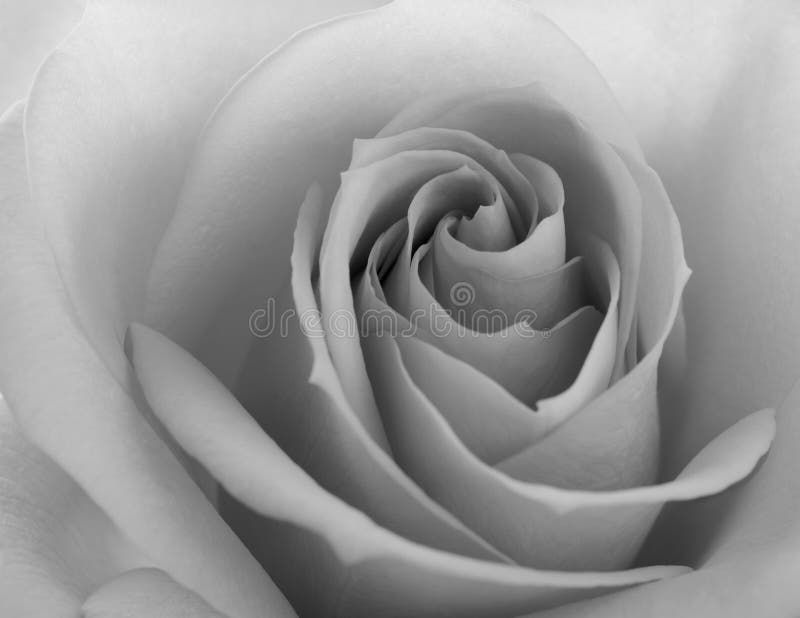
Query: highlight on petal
(90,426)
(370,570)
(111,123)
(146,592)
(207,249)
(30,31)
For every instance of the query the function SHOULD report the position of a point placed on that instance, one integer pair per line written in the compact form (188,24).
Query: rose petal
(752,565)
(464,188)
(292,389)
(543,299)
(539,525)
(510,426)
(90,426)
(56,544)
(492,436)
(542,249)
(28,32)
(524,208)
(146,592)
(601,197)
(530,363)
(369,200)
(612,442)
(240,164)
(489,229)
(710,100)
(364,570)
(111,122)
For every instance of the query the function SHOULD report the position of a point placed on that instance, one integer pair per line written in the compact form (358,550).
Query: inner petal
(531,364)
(524,205)
(489,229)
(542,299)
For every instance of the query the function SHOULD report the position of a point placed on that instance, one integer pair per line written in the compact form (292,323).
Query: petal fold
(146,592)
(207,249)
(357,568)
(90,426)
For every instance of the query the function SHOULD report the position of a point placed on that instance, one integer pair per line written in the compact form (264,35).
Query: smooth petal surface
(146,592)
(28,32)
(751,568)
(112,119)
(90,426)
(710,91)
(315,120)
(56,545)
(357,568)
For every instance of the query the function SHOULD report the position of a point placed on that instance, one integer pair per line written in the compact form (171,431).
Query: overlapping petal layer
(213,257)
(595,431)
(355,567)
(91,427)
(146,592)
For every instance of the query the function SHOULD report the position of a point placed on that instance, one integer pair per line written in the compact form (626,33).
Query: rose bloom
(247,295)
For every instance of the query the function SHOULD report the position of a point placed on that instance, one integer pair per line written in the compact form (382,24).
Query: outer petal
(68,404)
(711,90)
(353,566)
(112,119)
(280,130)
(146,592)
(56,545)
(752,568)
(28,32)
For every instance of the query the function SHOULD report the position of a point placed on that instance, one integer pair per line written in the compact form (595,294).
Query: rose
(97,480)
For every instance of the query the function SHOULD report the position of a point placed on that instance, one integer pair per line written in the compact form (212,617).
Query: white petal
(601,197)
(146,592)
(56,545)
(752,564)
(278,131)
(67,403)
(112,120)
(28,32)
(539,525)
(711,90)
(291,387)
(357,568)
(531,363)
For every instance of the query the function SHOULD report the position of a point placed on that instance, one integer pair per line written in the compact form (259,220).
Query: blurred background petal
(29,30)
